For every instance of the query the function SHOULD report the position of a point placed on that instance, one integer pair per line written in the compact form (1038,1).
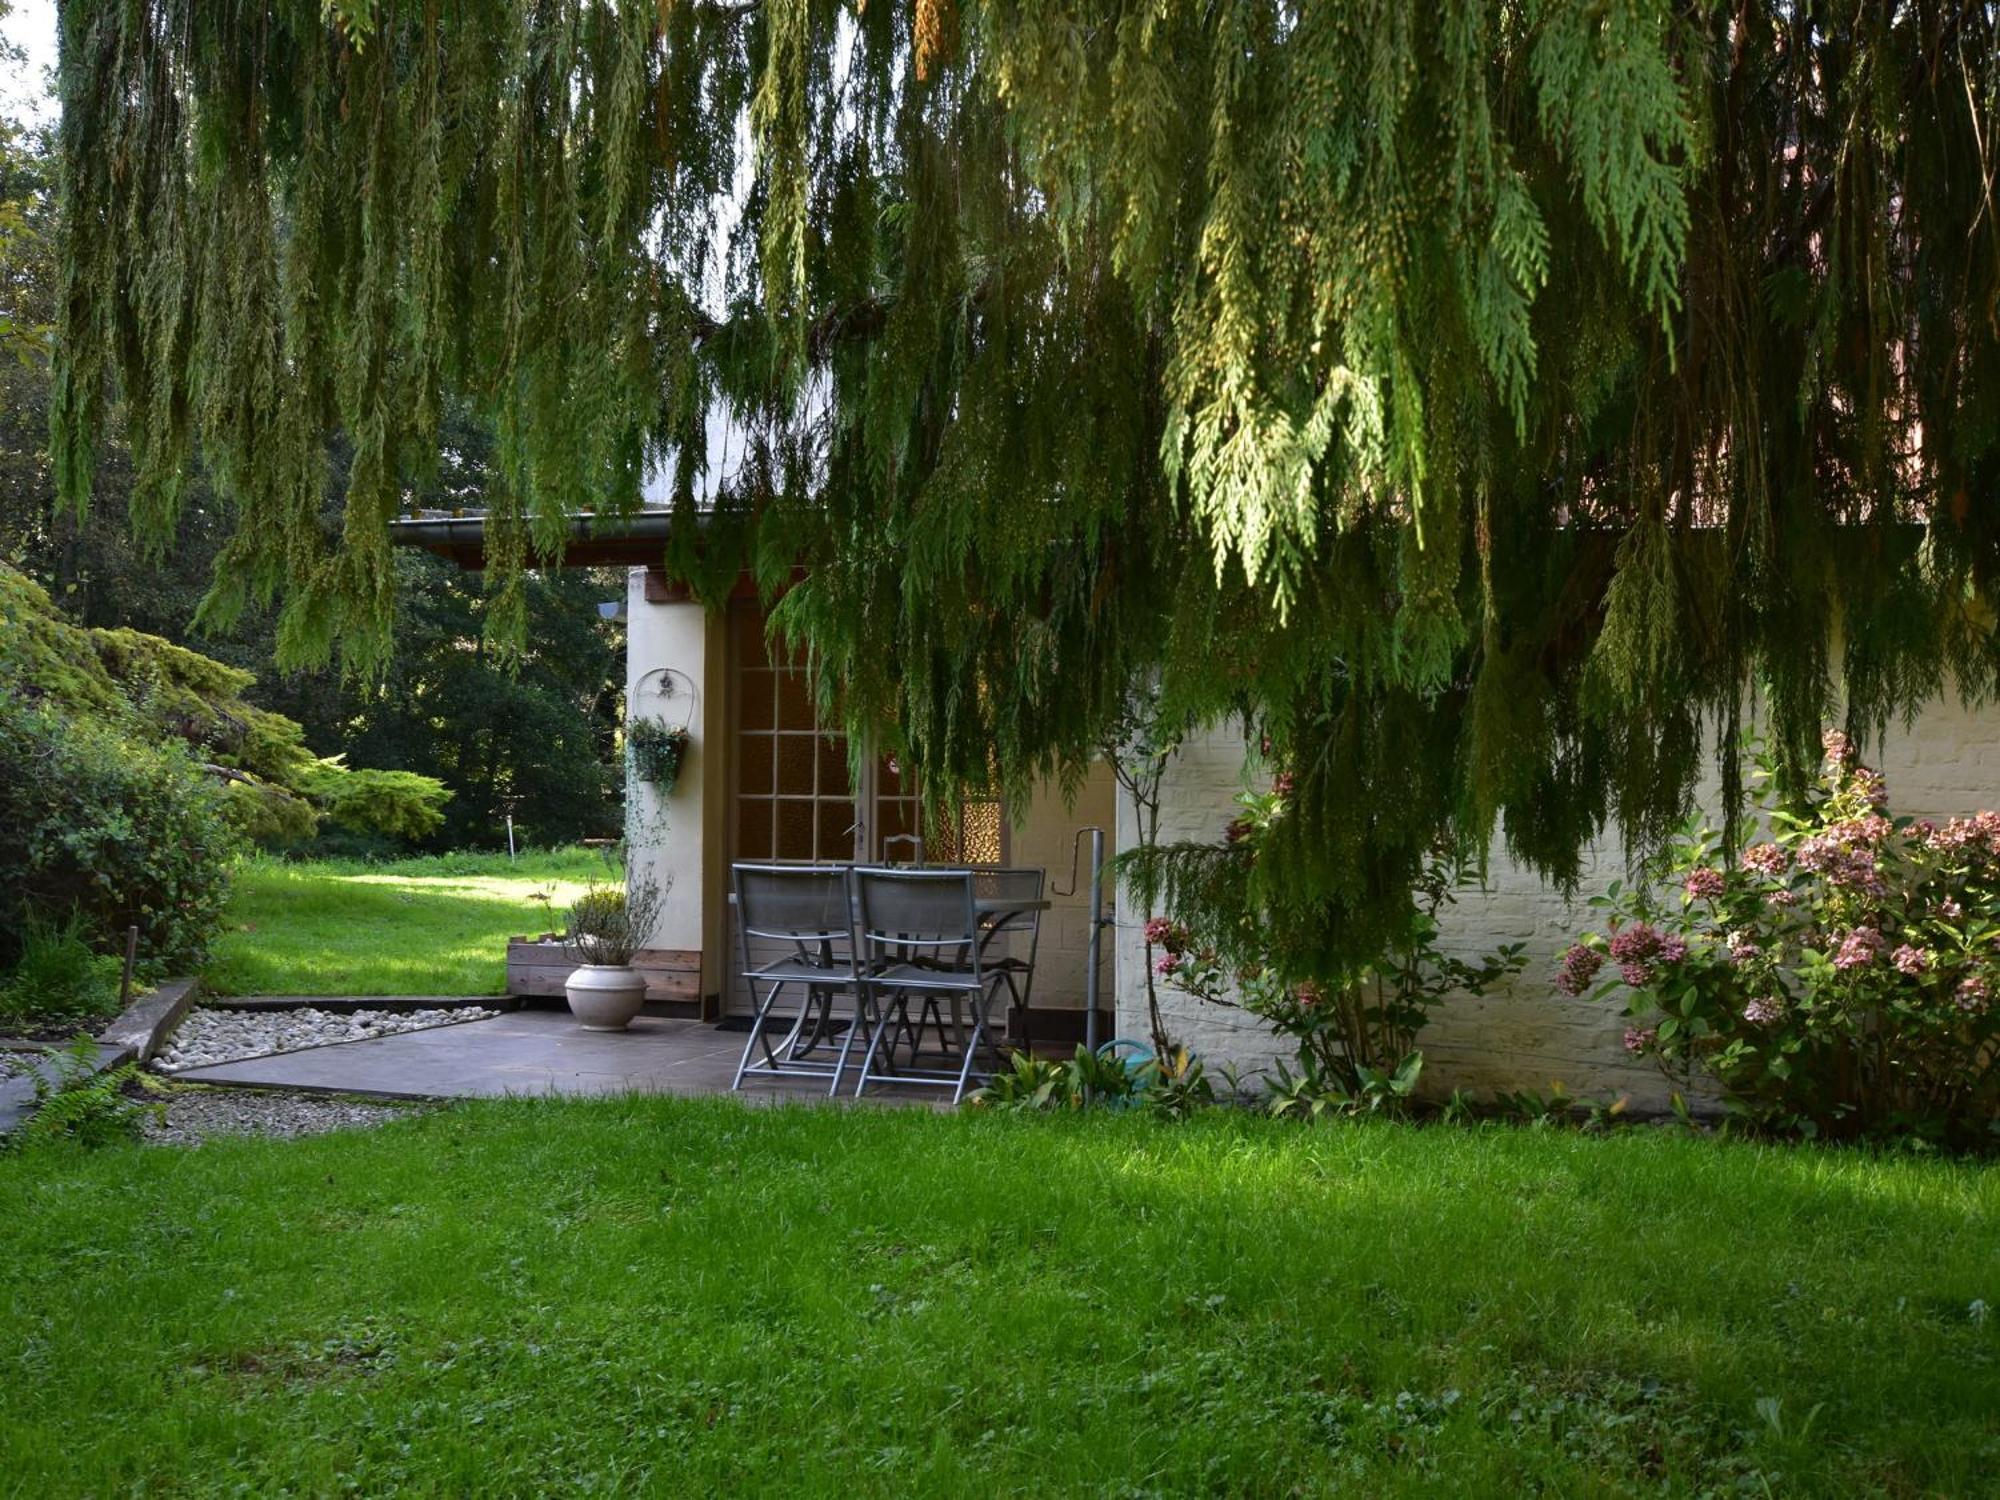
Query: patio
(529,1053)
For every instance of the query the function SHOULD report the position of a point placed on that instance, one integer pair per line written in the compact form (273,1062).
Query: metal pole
(1096,931)
(510,835)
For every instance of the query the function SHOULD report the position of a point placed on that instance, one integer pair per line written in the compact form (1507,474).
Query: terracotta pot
(605,997)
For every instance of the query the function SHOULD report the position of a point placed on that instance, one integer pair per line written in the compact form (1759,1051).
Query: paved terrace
(534,1052)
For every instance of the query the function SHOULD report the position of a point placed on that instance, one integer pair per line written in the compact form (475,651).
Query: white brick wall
(1525,1034)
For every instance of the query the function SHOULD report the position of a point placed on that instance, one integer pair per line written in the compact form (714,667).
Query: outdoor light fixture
(611,609)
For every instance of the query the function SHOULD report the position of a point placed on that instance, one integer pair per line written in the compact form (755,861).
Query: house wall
(683,839)
(1524,1034)
(1045,835)
(677,839)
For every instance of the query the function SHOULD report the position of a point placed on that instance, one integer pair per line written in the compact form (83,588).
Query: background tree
(538,728)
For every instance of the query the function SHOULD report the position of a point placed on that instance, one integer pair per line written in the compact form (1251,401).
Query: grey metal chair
(808,913)
(920,937)
(1013,928)
(1009,900)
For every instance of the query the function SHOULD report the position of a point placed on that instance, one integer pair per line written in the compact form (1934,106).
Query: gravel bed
(214,1035)
(194,1115)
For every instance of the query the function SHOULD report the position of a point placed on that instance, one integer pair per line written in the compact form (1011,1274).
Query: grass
(686,1297)
(431,926)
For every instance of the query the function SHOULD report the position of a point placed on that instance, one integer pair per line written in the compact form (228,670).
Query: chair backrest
(794,903)
(1002,883)
(919,913)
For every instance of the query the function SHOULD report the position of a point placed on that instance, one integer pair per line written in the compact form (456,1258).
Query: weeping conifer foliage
(1484,398)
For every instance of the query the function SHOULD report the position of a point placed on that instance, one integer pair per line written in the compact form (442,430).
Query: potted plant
(606,928)
(657,752)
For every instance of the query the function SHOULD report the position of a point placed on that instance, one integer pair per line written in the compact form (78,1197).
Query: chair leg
(884,1024)
(756,1035)
(862,1005)
(971,1050)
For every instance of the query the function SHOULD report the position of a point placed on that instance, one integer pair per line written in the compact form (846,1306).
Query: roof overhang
(593,541)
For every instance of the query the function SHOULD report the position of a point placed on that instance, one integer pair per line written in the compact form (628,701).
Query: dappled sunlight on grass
(437,927)
(695,1296)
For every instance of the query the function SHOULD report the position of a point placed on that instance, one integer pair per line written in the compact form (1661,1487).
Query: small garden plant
(1833,973)
(1354,1028)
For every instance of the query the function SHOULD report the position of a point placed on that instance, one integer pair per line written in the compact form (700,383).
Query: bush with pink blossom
(1831,976)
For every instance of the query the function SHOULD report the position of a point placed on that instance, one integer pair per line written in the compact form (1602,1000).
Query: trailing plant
(1225,942)
(75,1101)
(608,926)
(657,751)
(1833,971)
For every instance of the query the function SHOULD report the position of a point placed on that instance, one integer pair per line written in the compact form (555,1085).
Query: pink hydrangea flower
(1839,748)
(1673,950)
(1162,931)
(1580,964)
(1167,965)
(1858,949)
(1638,942)
(1766,859)
(1909,959)
(1705,884)
(1950,910)
(1742,947)
(1765,1010)
(1637,1040)
(1782,898)
(1973,994)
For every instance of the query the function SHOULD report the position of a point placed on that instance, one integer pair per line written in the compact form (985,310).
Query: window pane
(795,828)
(753,764)
(759,701)
(981,842)
(795,707)
(832,766)
(753,829)
(836,829)
(795,765)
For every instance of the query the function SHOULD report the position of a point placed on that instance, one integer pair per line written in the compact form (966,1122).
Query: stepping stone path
(212,1035)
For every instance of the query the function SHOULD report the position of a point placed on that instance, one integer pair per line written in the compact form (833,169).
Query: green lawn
(435,926)
(692,1298)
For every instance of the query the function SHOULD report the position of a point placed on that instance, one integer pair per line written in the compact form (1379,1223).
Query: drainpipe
(1094,943)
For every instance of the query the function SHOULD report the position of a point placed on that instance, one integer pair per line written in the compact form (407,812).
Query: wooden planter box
(537,967)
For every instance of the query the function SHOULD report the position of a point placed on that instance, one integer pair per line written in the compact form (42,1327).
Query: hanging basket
(657,751)
(658,747)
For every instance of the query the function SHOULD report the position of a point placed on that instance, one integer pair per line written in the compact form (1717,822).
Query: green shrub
(58,976)
(121,832)
(399,804)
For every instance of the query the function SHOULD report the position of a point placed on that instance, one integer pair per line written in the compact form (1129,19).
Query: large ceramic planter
(605,997)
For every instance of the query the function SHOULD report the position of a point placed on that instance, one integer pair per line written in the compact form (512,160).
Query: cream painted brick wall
(1045,836)
(1525,1034)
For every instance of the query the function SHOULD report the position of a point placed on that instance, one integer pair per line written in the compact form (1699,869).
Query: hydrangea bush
(1833,975)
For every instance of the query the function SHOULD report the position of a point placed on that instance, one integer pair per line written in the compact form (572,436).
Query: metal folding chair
(1012,928)
(808,913)
(920,938)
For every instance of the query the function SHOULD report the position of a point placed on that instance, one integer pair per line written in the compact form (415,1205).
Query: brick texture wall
(1524,1035)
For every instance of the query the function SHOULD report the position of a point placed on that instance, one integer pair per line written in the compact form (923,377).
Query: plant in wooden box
(606,928)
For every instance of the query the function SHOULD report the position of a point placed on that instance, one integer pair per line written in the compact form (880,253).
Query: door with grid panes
(791,798)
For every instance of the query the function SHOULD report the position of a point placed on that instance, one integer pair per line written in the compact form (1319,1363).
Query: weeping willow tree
(1488,400)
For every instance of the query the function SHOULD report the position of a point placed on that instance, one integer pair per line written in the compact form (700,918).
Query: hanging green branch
(1482,397)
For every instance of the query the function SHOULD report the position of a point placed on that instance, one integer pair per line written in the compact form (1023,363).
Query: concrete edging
(136,1035)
